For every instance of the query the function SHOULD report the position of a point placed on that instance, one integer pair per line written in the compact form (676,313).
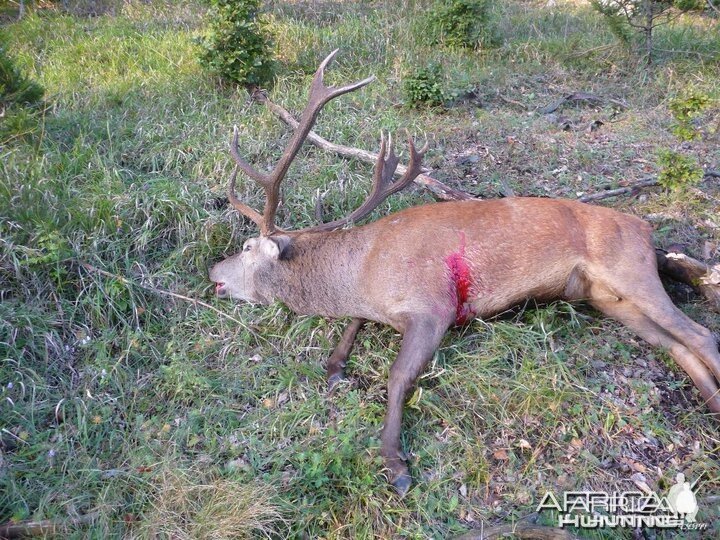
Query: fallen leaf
(500,454)
(634,465)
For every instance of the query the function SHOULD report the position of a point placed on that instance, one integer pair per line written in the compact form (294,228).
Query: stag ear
(276,246)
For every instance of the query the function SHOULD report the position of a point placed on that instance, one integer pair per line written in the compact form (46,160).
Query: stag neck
(321,274)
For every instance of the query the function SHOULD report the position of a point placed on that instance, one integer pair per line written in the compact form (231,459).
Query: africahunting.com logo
(599,509)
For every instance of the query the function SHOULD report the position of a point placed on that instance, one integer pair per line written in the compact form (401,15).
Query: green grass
(168,418)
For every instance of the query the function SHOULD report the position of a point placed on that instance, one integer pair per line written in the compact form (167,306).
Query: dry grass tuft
(190,505)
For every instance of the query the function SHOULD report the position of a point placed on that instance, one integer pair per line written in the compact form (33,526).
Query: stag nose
(219,288)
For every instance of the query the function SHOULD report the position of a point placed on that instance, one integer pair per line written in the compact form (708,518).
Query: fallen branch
(649,181)
(437,188)
(512,101)
(46,527)
(634,189)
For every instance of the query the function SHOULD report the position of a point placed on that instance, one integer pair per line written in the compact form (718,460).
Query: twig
(512,102)
(644,182)
(696,53)
(440,190)
(45,527)
(648,181)
(600,48)
(126,281)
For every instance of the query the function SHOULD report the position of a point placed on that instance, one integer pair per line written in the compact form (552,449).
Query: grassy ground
(169,418)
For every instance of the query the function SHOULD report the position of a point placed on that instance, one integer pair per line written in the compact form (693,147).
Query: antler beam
(320,94)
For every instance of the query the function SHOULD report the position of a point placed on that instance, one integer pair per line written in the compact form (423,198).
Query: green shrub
(678,171)
(460,23)
(425,86)
(684,108)
(236,45)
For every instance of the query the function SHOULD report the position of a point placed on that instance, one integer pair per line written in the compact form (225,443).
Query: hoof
(334,381)
(402,484)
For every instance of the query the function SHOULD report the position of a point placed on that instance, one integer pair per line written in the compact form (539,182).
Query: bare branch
(437,188)
(634,188)
(648,181)
(46,527)
(703,278)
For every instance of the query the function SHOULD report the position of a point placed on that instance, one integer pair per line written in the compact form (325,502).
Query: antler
(383,185)
(270,182)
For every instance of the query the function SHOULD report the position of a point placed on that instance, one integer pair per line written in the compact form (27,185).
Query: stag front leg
(420,341)
(338,359)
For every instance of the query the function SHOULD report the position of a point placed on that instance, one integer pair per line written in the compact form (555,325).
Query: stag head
(235,277)
(240,276)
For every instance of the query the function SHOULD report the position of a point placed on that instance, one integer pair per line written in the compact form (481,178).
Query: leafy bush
(236,45)
(460,23)
(684,108)
(678,171)
(425,86)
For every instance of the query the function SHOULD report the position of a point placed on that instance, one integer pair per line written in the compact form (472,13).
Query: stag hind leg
(341,353)
(648,311)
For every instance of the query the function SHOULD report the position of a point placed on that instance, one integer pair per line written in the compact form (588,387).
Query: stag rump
(484,257)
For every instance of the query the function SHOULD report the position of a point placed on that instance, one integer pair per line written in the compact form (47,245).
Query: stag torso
(457,260)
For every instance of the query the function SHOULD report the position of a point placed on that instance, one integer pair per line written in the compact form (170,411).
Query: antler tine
(319,96)
(240,206)
(379,166)
(383,185)
(389,166)
(248,169)
(329,92)
(414,167)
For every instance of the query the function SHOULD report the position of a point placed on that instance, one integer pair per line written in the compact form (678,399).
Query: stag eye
(246,248)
